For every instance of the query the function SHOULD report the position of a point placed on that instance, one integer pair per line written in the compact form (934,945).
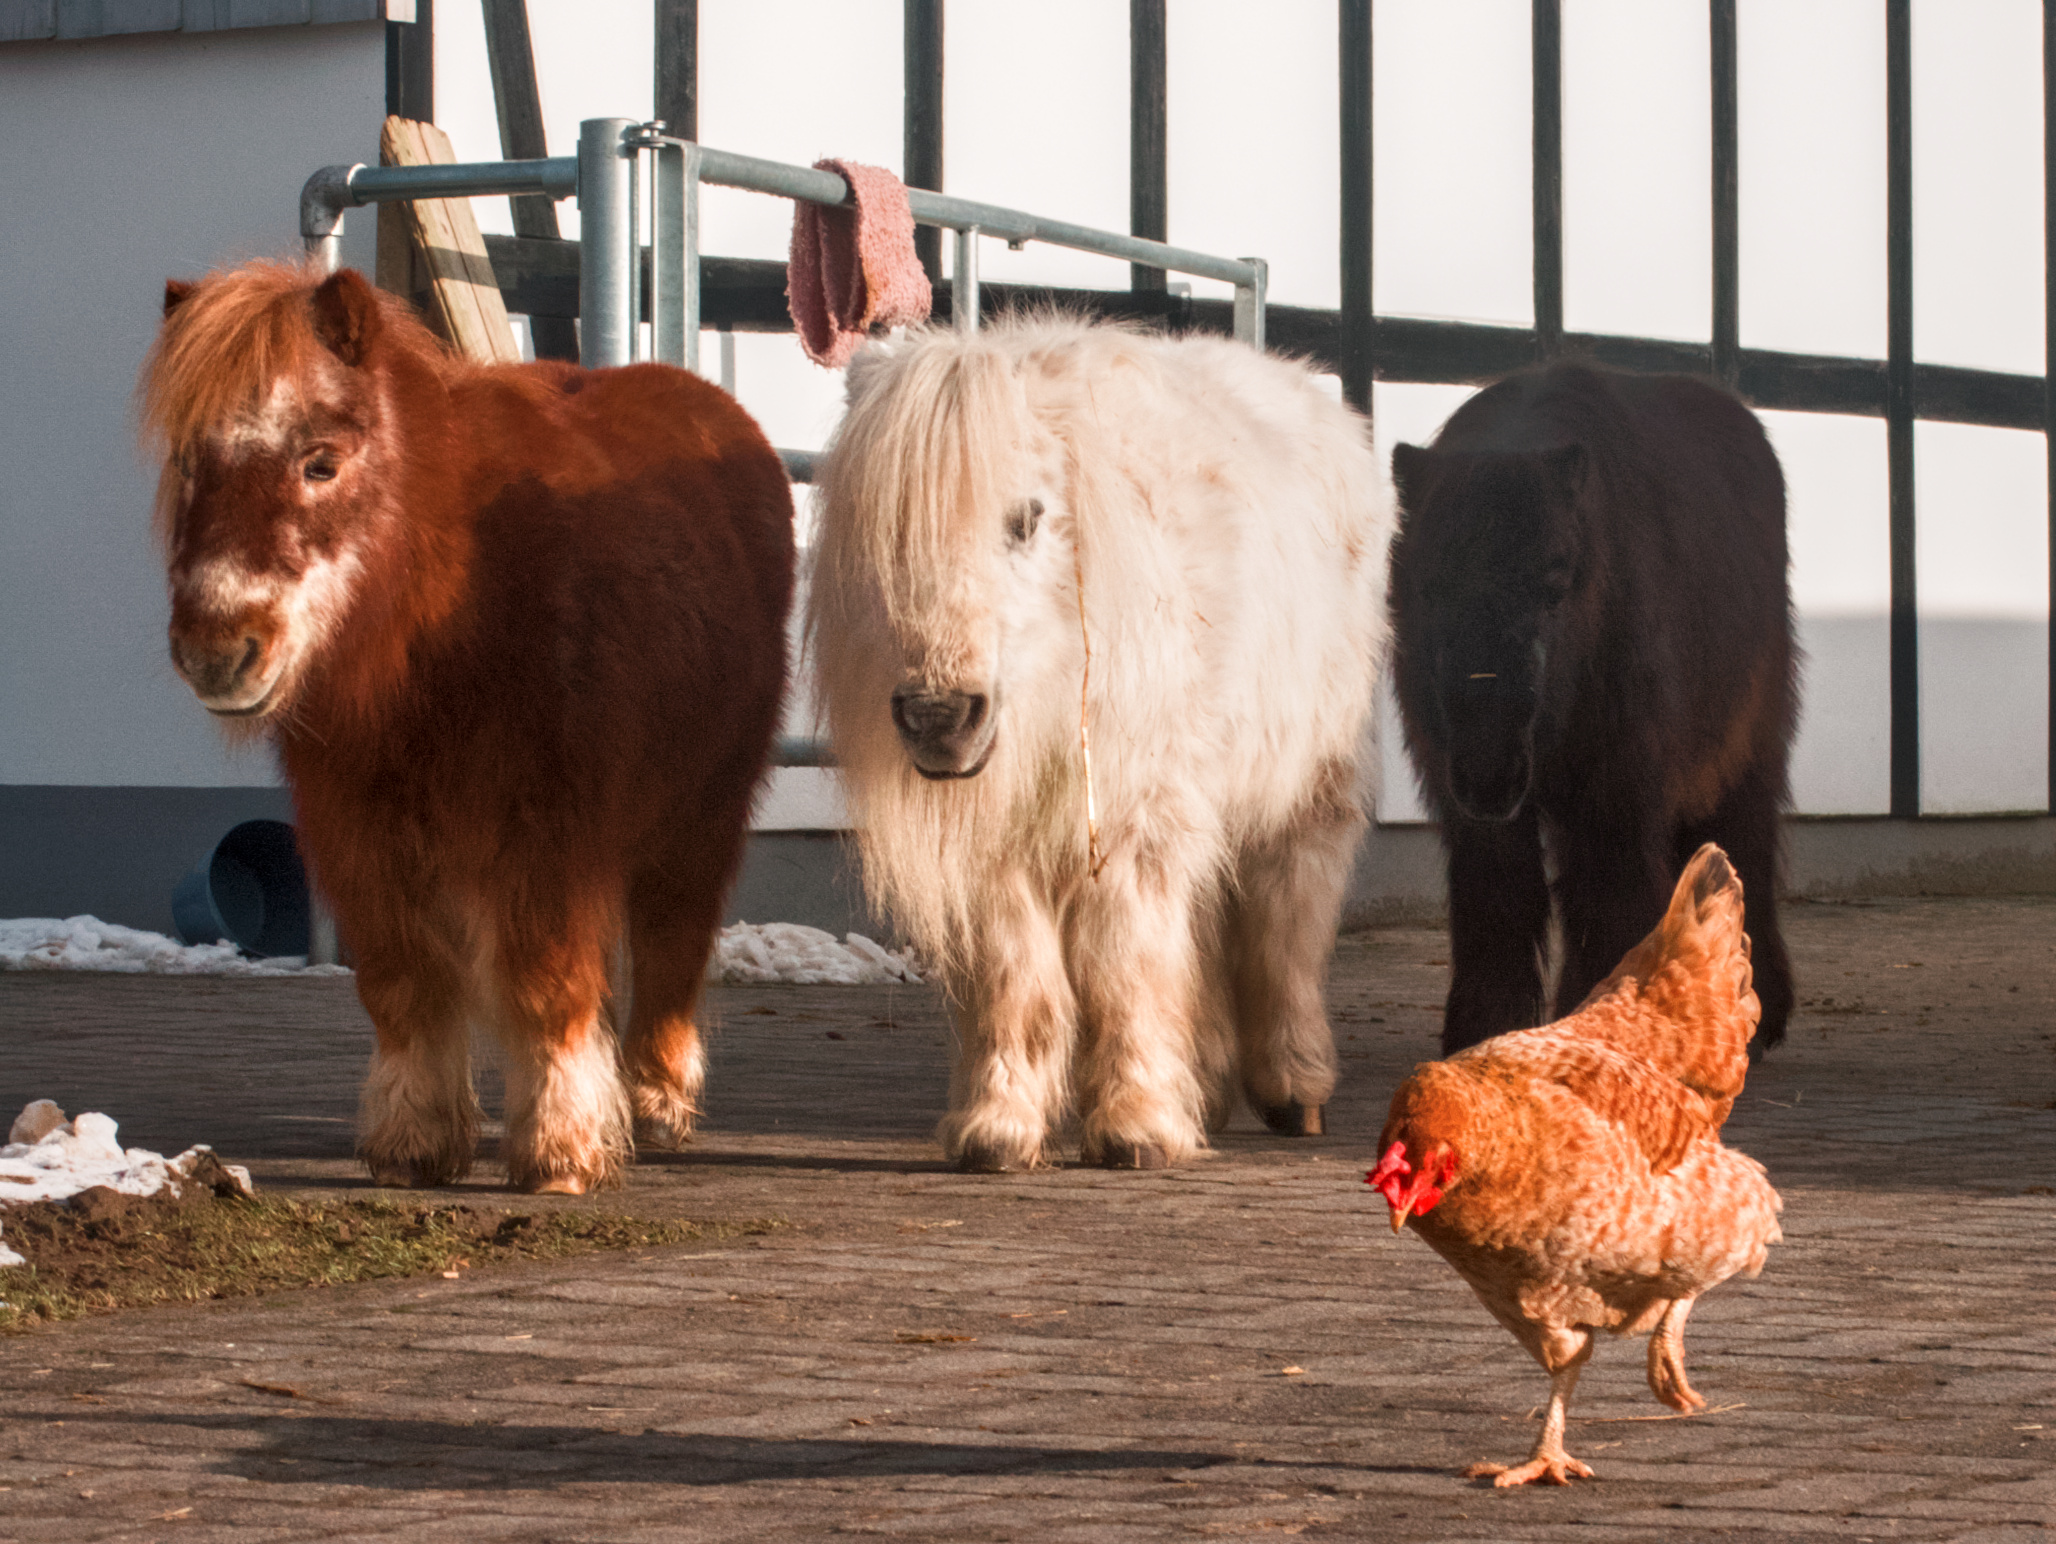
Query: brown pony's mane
(234,334)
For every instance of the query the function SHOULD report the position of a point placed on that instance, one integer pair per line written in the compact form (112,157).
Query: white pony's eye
(1022,520)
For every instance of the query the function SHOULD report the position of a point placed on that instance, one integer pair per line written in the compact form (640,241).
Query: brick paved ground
(1073,1354)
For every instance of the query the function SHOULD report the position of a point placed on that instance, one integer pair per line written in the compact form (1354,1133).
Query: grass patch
(137,1253)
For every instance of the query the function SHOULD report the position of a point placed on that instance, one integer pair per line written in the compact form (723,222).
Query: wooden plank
(464,298)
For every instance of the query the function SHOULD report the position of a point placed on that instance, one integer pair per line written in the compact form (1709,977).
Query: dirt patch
(102,1250)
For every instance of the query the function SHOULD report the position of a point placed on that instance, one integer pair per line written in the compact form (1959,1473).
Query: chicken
(1574,1174)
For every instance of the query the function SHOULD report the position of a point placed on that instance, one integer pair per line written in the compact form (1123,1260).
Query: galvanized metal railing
(607,177)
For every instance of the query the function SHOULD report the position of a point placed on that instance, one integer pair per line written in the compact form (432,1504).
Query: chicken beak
(1401,1212)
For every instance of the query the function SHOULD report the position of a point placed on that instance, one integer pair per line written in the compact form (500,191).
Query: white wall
(127,160)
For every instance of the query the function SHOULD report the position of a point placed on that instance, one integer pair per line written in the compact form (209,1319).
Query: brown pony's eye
(320,467)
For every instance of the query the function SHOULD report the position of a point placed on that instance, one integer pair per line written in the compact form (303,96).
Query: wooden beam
(2049,355)
(510,55)
(678,66)
(922,112)
(1358,368)
(1149,180)
(1727,229)
(1546,60)
(410,64)
(1900,408)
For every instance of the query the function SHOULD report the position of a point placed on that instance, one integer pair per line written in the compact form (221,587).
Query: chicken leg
(1667,1380)
(1549,1463)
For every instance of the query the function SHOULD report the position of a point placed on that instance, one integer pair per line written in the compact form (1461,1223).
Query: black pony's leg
(1498,927)
(1746,826)
(1612,885)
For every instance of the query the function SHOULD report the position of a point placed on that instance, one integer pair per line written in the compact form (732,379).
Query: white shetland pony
(1224,521)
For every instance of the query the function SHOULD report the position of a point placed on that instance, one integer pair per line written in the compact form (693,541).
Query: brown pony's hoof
(415,1174)
(556,1185)
(1294,1120)
(1130,1155)
(662,1135)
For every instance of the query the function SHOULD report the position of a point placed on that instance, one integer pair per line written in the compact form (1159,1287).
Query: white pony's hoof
(1294,1120)
(1128,1155)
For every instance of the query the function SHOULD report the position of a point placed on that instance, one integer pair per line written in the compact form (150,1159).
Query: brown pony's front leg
(567,1113)
(417,1121)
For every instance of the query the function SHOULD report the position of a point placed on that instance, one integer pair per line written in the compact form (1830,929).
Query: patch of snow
(87,943)
(746,953)
(805,956)
(49,1158)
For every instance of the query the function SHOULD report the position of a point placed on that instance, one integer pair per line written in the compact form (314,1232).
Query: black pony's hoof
(1294,1120)
(1130,1155)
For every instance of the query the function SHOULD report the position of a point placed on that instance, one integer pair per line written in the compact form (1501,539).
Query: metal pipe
(964,286)
(725,168)
(608,257)
(334,189)
(1249,303)
(674,247)
(556,176)
(323,198)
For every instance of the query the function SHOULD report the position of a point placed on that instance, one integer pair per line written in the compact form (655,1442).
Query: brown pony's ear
(1413,474)
(175,293)
(346,318)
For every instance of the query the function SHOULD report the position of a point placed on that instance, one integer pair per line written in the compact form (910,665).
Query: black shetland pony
(1592,635)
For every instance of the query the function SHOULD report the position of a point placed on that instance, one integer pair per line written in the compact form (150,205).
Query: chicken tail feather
(1691,978)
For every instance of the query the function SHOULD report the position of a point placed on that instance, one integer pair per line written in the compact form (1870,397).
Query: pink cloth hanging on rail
(854,270)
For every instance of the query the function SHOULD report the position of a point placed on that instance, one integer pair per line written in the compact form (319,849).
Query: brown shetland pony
(517,634)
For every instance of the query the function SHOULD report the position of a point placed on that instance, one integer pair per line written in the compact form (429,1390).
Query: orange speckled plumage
(1591,1189)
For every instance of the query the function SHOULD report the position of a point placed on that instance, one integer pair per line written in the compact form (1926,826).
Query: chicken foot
(1667,1380)
(1550,1463)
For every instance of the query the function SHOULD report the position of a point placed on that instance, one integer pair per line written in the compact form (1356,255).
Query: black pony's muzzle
(947,734)
(1491,756)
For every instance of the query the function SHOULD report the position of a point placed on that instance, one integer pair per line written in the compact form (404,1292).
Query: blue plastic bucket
(250,891)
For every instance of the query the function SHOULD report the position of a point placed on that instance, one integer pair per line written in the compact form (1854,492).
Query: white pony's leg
(1015,1018)
(1292,885)
(1215,1055)
(1135,963)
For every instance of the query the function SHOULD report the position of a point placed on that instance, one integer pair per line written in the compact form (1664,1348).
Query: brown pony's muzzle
(948,734)
(228,666)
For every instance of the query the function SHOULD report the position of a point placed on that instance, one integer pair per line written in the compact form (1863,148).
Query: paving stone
(1126,1376)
